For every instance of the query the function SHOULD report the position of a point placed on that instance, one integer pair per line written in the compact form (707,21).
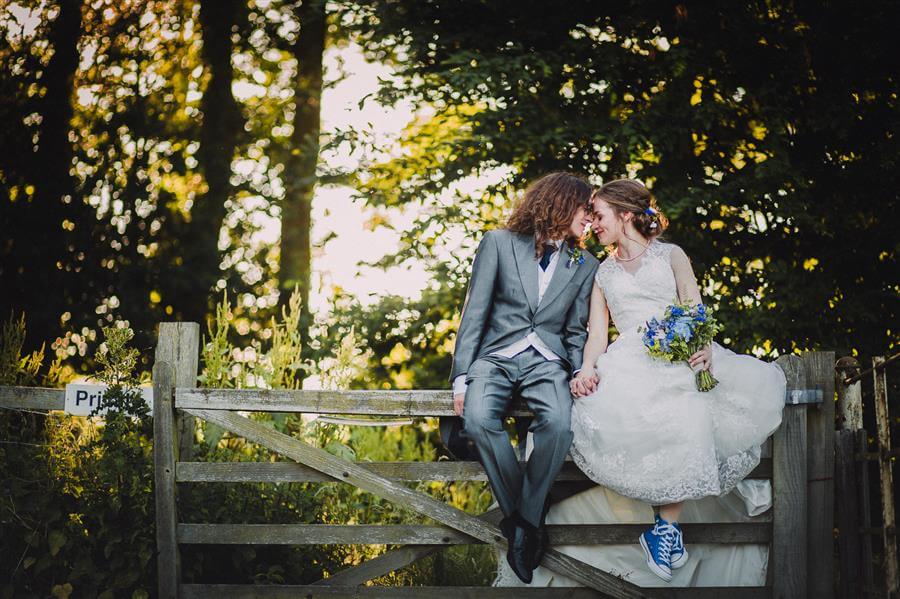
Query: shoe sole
(654,567)
(519,576)
(681,561)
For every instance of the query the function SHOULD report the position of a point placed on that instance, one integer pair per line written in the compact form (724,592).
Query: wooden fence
(799,459)
(852,465)
(799,530)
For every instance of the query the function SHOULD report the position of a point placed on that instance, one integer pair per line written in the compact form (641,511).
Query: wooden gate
(799,460)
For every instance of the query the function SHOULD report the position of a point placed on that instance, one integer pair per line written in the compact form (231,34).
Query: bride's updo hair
(630,195)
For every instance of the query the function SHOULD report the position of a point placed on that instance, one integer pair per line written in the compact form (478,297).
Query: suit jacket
(502,306)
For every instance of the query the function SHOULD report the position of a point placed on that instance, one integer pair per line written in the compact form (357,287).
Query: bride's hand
(584,383)
(702,360)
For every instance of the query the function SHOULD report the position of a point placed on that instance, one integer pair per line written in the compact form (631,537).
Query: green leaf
(56,539)
(62,591)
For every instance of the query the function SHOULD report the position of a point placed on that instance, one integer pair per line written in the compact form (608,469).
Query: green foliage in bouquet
(683,331)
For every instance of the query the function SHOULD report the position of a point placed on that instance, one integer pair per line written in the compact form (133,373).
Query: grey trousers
(544,386)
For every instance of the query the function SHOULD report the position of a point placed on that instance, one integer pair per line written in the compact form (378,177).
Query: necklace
(641,253)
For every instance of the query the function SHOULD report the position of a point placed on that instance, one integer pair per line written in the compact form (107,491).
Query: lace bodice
(634,298)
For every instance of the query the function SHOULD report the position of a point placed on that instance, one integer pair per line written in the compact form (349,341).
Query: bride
(645,434)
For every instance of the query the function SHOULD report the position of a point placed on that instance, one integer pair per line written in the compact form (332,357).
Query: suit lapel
(527,264)
(561,276)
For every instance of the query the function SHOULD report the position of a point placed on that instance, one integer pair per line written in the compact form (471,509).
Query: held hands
(702,360)
(584,383)
(459,401)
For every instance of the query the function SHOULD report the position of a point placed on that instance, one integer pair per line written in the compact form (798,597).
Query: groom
(522,333)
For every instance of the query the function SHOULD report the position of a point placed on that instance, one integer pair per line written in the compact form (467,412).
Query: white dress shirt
(532,339)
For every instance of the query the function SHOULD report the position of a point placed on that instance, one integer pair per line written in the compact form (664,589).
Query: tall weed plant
(279,366)
(76,511)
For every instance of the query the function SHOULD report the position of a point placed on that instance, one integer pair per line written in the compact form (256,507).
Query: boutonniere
(575,256)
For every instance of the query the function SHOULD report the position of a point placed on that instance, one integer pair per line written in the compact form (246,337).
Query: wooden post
(849,411)
(164,457)
(849,397)
(888,521)
(849,543)
(179,345)
(789,476)
(865,503)
(820,475)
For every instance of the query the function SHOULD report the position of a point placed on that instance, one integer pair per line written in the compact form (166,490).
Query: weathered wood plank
(392,560)
(398,558)
(391,402)
(849,545)
(179,345)
(168,563)
(406,534)
(286,472)
(865,511)
(32,398)
(382,402)
(766,450)
(849,397)
(397,492)
(389,561)
(789,467)
(888,517)
(217,591)
(820,475)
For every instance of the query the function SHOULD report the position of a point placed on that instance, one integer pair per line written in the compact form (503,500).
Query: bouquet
(682,332)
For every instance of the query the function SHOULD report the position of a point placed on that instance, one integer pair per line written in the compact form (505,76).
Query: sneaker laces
(679,538)
(666,534)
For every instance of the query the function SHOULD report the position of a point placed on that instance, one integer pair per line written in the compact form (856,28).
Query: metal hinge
(799,396)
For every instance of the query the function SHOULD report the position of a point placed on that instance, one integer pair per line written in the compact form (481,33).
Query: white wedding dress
(648,437)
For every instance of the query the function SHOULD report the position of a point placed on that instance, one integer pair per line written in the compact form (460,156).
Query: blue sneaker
(657,544)
(679,553)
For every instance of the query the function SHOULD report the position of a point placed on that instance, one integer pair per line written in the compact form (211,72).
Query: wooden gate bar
(32,398)
(424,504)
(292,472)
(418,534)
(358,402)
(218,591)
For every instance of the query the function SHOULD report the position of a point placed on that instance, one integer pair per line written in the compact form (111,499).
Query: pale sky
(333,209)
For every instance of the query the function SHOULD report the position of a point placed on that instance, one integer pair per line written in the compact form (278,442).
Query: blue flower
(575,256)
(677,311)
(683,329)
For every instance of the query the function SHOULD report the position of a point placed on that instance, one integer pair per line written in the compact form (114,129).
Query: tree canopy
(766,130)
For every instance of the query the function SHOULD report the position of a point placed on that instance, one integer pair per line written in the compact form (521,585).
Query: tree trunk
(300,166)
(219,135)
(44,246)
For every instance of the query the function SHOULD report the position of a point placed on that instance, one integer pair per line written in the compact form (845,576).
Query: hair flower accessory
(651,213)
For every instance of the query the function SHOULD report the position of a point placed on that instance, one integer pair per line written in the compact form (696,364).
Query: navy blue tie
(549,248)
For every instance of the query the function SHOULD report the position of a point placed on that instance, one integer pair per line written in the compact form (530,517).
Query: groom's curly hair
(548,207)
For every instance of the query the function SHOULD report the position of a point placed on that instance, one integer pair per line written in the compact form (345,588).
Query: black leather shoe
(541,544)
(520,546)
(541,538)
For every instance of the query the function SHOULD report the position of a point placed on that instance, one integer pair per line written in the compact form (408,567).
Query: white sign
(83,398)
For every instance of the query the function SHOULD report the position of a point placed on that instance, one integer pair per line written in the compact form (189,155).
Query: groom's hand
(584,383)
(459,401)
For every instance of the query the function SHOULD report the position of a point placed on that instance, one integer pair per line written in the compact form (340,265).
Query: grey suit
(501,308)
